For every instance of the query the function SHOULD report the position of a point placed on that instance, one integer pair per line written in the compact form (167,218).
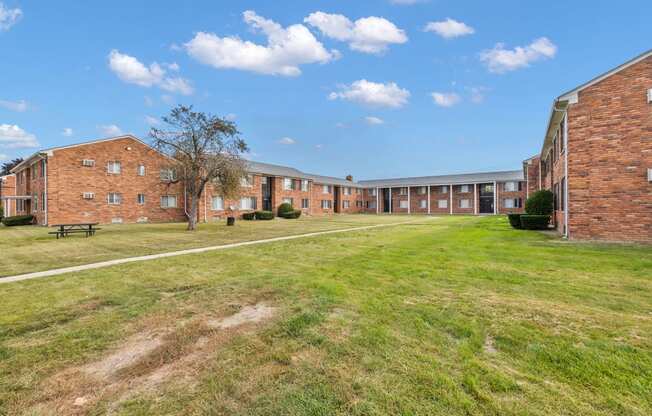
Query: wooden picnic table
(63,230)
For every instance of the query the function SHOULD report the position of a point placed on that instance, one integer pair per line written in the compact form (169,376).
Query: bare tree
(205,149)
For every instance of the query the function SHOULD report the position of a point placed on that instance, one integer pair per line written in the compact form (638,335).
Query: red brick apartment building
(124,180)
(8,194)
(597,156)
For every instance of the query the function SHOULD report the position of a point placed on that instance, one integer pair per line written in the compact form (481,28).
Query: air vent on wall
(88,162)
(649,175)
(89,195)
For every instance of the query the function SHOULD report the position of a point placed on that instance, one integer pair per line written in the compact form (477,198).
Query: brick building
(124,180)
(597,156)
(8,194)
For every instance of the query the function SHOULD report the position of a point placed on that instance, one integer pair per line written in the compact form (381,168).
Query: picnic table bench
(63,230)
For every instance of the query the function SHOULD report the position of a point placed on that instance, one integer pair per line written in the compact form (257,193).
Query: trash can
(230,220)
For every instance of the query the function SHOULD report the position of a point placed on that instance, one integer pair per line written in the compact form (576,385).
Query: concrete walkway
(108,263)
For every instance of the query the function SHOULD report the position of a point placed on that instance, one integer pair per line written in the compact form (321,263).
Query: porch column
(409,208)
(390,200)
(495,199)
(475,199)
(450,198)
(377,205)
(428,199)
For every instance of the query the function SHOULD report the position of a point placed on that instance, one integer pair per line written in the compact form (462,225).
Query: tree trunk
(192,215)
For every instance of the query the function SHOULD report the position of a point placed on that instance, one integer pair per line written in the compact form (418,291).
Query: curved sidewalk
(98,265)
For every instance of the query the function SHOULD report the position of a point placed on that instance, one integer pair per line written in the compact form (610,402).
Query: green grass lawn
(32,249)
(448,316)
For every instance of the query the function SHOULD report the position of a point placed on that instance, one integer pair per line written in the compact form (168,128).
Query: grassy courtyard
(443,316)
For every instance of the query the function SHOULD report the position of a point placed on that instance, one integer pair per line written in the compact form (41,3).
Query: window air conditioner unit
(89,195)
(88,162)
(649,96)
(649,175)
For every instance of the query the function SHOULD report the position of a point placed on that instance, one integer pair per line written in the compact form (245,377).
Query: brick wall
(610,150)
(8,188)
(317,196)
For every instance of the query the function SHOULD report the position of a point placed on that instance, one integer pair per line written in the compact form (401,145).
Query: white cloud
(20,105)
(444,99)
(287,140)
(132,71)
(9,17)
(110,130)
(373,94)
(13,137)
(477,94)
(286,49)
(173,67)
(152,121)
(230,117)
(500,60)
(369,34)
(449,28)
(374,120)
(67,132)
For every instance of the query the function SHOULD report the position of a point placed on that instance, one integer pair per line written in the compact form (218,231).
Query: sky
(374,88)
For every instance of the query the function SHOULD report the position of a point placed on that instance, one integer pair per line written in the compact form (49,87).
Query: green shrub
(296,213)
(264,215)
(2,212)
(249,216)
(540,203)
(283,208)
(18,220)
(514,220)
(535,222)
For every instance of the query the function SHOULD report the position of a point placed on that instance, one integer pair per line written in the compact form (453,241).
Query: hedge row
(529,222)
(258,215)
(538,209)
(18,220)
(296,213)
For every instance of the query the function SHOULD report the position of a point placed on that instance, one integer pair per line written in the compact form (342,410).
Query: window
(513,203)
(42,167)
(402,191)
(346,204)
(89,163)
(217,203)
(423,204)
(20,205)
(33,169)
(248,202)
(35,203)
(442,203)
(510,186)
(114,198)
(247,181)
(465,203)
(168,175)
(141,170)
(555,195)
(326,204)
(141,199)
(113,167)
(305,203)
(358,204)
(562,196)
(562,132)
(403,204)
(288,201)
(326,189)
(444,189)
(287,184)
(346,190)
(168,201)
(464,188)
(304,185)
(422,190)
(43,201)
(371,204)
(372,192)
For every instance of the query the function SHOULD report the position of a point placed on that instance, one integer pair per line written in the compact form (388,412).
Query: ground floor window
(141,199)
(326,204)
(288,201)
(465,203)
(168,201)
(403,204)
(423,204)
(512,203)
(442,203)
(114,198)
(20,205)
(346,204)
(217,203)
(248,202)
(371,204)
(305,203)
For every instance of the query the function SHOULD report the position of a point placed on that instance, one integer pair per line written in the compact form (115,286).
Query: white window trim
(167,198)
(213,199)
(113,163)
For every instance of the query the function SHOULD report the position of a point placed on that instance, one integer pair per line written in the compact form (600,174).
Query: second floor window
(464,188)
(247,181)
(304,185)
(372,192)
(510,186)
(141,170)
(422,190)
(444,189)
(288,184)
(168,175)
(402,191)
(113,167)
(326,189)
(114,198)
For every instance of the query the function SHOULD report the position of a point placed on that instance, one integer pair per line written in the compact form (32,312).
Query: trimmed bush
(18,220)
(535,222)
(2,212)
(514,220)
(249,216)
(292,215)
(540,203)
(284,208)
(264,215)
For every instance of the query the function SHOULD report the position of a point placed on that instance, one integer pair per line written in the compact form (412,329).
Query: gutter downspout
(45,197)
(566,202)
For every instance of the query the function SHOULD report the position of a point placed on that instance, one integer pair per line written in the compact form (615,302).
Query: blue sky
(370,88)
